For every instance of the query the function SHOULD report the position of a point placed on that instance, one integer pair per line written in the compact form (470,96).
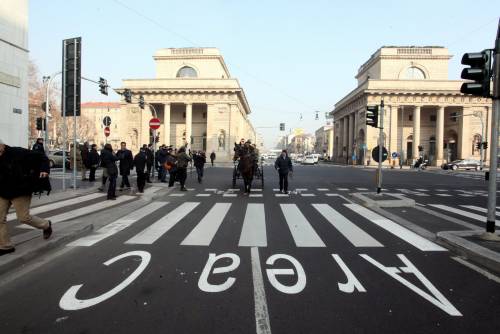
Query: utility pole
(380,147)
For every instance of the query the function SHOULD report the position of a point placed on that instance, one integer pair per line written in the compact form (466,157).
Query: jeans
(283,181)
(125,181)
(199,171)
(162,174)
(92,174)
(112,186)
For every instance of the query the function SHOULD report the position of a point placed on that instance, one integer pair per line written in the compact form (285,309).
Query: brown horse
(246,168)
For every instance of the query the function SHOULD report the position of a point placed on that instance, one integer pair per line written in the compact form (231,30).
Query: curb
(480,255)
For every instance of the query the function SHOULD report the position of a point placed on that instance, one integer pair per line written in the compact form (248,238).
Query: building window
(187,72)
(414,73)
(475,141)
(433,118)
(410,118)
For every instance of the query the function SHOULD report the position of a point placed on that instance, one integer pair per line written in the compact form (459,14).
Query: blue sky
(291,57)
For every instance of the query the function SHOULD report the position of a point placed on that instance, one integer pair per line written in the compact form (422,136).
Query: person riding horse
(247,158)
(244,148)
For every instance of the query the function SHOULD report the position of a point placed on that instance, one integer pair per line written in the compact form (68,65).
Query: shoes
(7,251)
(183,189)
(48,231)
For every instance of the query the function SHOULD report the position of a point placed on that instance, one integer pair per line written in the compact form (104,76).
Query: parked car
(316,157)
(56,159)
(309,160)
(463,164)
(299,158)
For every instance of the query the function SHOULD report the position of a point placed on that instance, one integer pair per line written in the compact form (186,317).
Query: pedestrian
(93,162)
(162,159)
(22,172)
(182,163)
(38,146)
(84,151)
(140,161)
(284,166)
(199,161)
(108,159)
(171,167)
(104,173)
(212,157)
(124,155)
(149,161)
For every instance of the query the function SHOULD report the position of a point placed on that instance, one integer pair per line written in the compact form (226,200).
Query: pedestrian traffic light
(478,145)
(485,145)
(127,94)
(479,72)
(40,123)
(103,86)
(71,76)
(282,126)
(372,116)
(141,102)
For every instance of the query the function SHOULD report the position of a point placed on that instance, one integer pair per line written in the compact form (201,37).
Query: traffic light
(71,76)
(127,94)
(479,72)
(372,116)
(40,123)
(478,145)
(103,86)
(141,102)
(157,139)
(485,145)
(282,126)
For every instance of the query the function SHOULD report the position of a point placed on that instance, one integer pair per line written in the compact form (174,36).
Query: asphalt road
(212,260)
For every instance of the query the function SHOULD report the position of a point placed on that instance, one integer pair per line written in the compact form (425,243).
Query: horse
(246,168)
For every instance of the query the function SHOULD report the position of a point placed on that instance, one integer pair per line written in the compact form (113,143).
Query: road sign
(107,131)
(154,123)
(375,154)
(106,121)
(394,155)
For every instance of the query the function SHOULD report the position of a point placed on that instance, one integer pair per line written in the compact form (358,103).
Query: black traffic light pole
(380,148)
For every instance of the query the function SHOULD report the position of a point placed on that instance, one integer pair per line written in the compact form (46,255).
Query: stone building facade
(324,140)
(197,101)
(425,113)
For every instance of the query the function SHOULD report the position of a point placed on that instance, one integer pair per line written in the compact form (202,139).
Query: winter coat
(140,160)
(162,156)
(39,148)
(183,160)
(172,161)
(212,156)
(149,157)
(283,165)
(126,161)
(93,159)
(199,160)
(84,151)
(20,172)
(79,162)
(108,161)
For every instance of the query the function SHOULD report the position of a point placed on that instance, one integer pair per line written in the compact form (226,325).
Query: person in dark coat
(93,162)
(182,164)
(284,166)
(38,146)
(126,164)
(140,161)
(108,160)
(162,159)
(212,158)
(84,151)
(22,172)
(171,163)
(199,161)
(149,161)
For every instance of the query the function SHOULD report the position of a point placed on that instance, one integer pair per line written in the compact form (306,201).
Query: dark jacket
(126,161)
(39,148)
(283,165)
(183,160)
(149,157)
(20,172)
(173,163)
(199,160)
(212,156)
(108,161)
(140,160)
(93,158)
(162,156)
(85,156)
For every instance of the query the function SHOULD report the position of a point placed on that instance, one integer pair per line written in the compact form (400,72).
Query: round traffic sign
(107,131)
(106,121)
(394,155)
(154,123)
(375,153)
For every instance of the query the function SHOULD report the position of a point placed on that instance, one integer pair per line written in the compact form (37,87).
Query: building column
(330,143)
(146,116)
(416,131)
(189,120)
(351,136)
(166,124)
(439,135)
(345,133)
(393,131)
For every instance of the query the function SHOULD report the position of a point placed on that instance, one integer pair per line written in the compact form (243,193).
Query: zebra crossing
(256,225)
(475,175)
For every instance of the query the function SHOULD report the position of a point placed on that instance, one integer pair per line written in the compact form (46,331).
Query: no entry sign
(154,123)
(107,131)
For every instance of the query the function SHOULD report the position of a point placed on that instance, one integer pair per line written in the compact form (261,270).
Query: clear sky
(291,57)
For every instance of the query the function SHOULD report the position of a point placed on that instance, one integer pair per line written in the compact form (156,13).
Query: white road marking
(151,190)
(281,195)
(422,194)
(58,205)
(323,189)
(276,189)
(163,225)
(117,225)
(204,232)
(330,194)
(93,208)
(253,233)
(441,189)
(229,195)
(396,229)
(233,189)
(262,323)
(256,190)
(352,232)
(301,189)
(421,189)
(307,195)
(466,195)
(303,233)
(444,195)
(176,195)
(362,189)
(343,189)
(255,195)
(477,208)
(463,213)
(203,195)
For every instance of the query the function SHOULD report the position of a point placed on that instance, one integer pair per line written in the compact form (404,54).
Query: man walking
(182,164)
(199,161)
(21,171)
(162,159)
(212,157)
(284,166)
(85,160)
(38,146)
(140,160)
(126,164)
(108,160)
(93,162)
(149,161)
(171,166)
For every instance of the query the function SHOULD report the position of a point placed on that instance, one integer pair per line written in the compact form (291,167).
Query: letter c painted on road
(272,273)
(69,301)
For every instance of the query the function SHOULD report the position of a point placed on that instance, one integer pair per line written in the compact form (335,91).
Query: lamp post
(48,79)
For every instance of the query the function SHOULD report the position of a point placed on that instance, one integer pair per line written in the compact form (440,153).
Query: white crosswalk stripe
(462,213)
(206,229)
(477,208)
(303,233)
(163,225)
(253,233)
(117,225)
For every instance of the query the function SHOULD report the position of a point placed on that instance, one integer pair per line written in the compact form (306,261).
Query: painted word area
(70,302)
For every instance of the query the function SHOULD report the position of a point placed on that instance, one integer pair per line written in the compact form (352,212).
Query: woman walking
(109,159)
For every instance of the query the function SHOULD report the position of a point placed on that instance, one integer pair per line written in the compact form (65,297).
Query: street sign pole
(380,145)
(492,182)
(63,106)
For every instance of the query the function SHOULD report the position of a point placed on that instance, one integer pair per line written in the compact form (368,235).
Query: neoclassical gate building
(196,100)
(423,109)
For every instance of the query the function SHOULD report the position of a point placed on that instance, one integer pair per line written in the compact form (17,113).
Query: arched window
(187,72)
(414,73)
